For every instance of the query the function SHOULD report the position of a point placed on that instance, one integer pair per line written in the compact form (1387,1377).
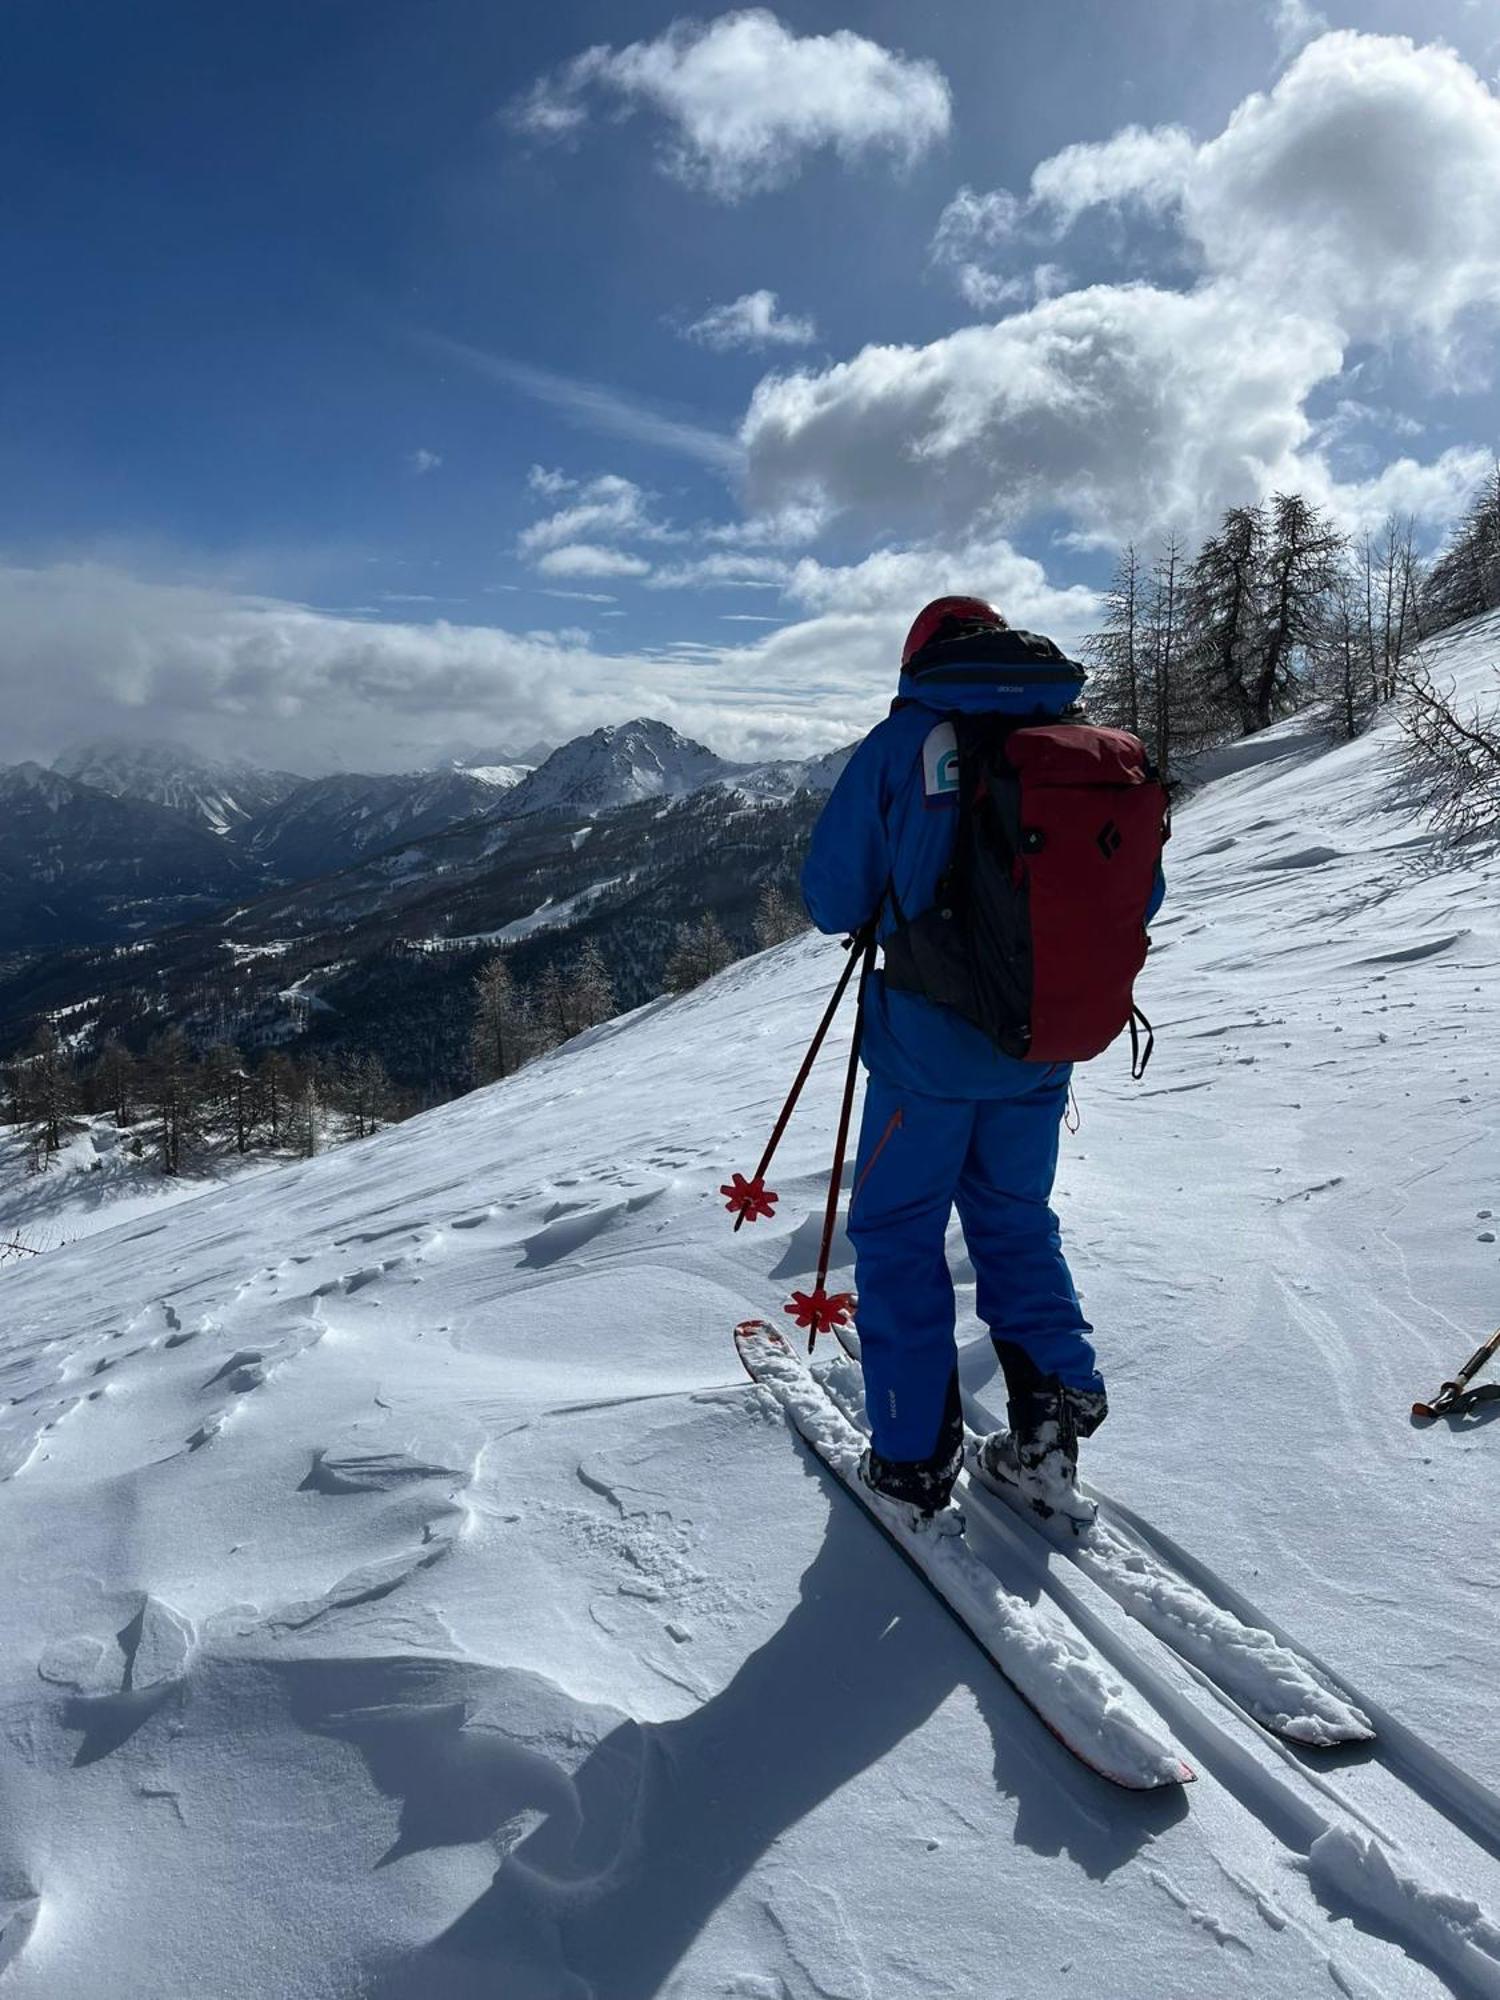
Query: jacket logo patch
(1109,840)
(940,765)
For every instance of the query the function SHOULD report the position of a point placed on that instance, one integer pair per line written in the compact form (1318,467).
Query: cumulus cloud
(1364,186)
(1357,200)
(752,320)
(423,461)
(1119,404)
(746,99)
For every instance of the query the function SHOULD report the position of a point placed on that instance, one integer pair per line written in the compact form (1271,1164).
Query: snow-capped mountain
(407,1593)
(78,866)
(222,796)
(504,777)
(328,823)
(619,765)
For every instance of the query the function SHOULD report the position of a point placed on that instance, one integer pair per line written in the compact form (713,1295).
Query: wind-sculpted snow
(406,1596)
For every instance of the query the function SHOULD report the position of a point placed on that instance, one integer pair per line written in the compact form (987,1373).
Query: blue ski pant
(996,1158)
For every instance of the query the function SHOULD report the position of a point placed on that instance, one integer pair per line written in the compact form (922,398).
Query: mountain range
(376,893)
(121,838)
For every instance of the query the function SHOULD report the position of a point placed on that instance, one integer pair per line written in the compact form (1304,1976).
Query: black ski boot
(920,1490)
(1036,1460)
(915,1494)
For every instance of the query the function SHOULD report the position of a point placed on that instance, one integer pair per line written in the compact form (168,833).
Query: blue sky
(303,297)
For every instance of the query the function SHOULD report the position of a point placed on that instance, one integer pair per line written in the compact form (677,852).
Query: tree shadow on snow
(660,1822)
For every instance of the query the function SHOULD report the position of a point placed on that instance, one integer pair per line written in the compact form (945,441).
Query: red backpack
(1038,928)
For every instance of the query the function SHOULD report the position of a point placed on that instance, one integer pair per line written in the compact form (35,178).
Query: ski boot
(913,1496)
(1036,1460)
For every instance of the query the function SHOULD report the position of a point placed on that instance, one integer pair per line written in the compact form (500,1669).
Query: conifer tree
(700,950)
(497,1043)
(172,1095)
(1302,557)
(777,917)
(591,992)
(1223,610)
(1165,674)
(1465,579)
(1116,652)
(114,1082)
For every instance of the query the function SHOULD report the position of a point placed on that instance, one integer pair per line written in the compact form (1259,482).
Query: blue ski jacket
(891,819)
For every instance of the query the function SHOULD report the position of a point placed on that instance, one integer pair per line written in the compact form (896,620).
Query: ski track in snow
(408,1598)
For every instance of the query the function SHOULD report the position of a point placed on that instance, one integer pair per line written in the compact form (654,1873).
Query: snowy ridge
(222,796)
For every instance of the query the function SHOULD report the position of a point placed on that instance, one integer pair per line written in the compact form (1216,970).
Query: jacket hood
(994,673)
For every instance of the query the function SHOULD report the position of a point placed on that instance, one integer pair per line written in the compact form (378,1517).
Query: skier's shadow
(672,1816)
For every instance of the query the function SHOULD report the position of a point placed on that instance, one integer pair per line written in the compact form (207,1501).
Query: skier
(948,1116)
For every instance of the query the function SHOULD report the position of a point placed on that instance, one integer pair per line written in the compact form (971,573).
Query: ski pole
(747,1200)
(816,1311)
(1457,1395)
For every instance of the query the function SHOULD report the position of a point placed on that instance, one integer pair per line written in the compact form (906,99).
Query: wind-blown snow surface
(407,1597)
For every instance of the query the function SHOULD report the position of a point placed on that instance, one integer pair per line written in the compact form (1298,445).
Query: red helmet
(946,618)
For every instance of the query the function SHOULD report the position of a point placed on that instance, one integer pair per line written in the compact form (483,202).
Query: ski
(1057,1673)
(1270,1680)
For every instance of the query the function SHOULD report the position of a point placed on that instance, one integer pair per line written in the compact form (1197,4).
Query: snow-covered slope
(406,1596)
(101,1177)
(221,796)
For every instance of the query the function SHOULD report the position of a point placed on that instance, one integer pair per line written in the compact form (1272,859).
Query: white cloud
(972,231)
(422,460)
(588,559)
(1136,168)
(723,571)
(891,585)
(751,320)
(309,690)
(1365,186)
(746,99)
(590,405)
(1295,23)
(1119,404)
(1358,200)
(550,483)
(1436,493)
(608,507)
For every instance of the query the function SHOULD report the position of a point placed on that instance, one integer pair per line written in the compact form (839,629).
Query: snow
(95,1182)
(407,1595)
(504,777)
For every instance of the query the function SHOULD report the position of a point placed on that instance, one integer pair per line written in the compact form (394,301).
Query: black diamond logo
(1109,840)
